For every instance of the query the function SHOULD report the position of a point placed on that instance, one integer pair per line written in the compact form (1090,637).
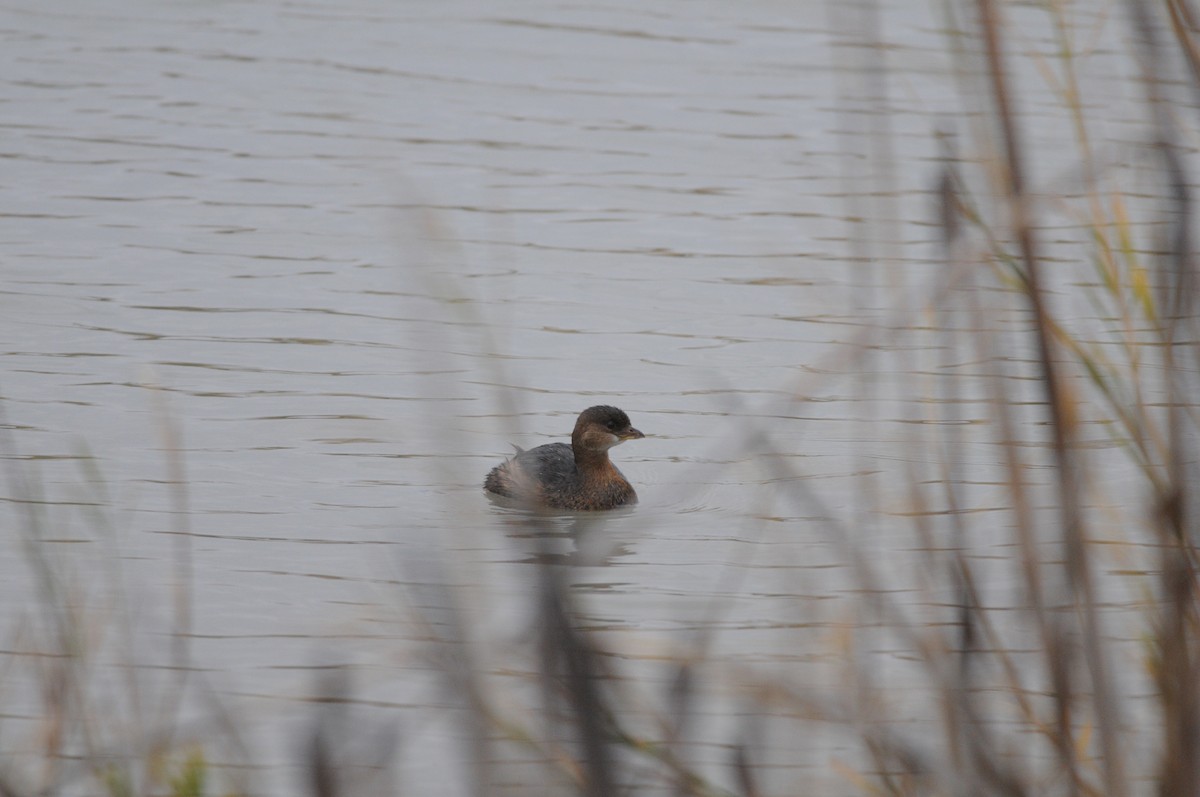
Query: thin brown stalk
(182,588)
(1029,558)
(1178,665)
(1071,518)
(571,660)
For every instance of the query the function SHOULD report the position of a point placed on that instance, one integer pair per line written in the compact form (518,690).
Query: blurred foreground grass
(1053,722)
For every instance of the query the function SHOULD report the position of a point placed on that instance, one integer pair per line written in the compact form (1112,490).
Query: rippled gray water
(362,247)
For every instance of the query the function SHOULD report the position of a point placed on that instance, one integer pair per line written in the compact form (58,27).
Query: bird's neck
(589,460)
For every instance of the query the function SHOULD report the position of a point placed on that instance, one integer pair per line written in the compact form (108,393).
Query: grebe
(579,476)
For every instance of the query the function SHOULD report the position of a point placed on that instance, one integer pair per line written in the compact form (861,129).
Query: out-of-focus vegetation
(1049,724)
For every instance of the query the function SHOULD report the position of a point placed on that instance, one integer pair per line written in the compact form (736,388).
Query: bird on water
(577,477)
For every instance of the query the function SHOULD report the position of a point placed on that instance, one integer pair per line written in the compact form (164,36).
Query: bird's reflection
(581,539)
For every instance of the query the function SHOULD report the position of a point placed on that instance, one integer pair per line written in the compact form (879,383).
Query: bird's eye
(611,425)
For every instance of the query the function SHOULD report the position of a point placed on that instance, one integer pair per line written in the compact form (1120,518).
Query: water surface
(348,253)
